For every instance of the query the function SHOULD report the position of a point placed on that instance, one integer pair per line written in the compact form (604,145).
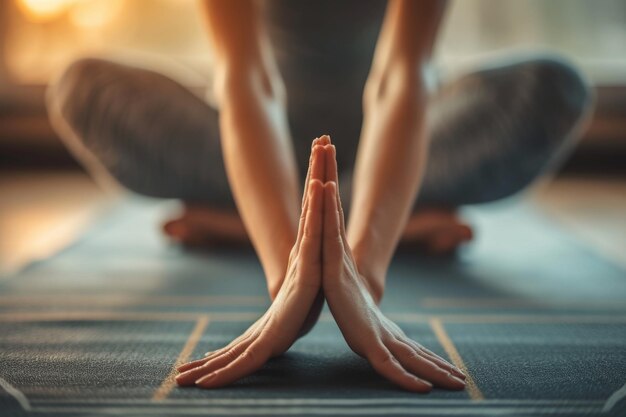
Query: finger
(423,367)
(210,354)
(332,243)
(244,340)
(317,167)
(308,171)
(252,330)
(330,153)
(324,140)
(441,362)
(213,354)
(332,174)
(386,365)
(311,244)
(190,376)
(246,363)
(316,171)
(193,364)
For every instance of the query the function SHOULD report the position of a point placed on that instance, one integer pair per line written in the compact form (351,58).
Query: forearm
(260,164)
(392,150)
(387,174)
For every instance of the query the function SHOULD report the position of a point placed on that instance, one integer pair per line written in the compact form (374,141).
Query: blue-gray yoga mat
(537,318)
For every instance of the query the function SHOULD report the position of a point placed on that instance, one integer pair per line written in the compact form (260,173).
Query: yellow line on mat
(446,342)
(194,337)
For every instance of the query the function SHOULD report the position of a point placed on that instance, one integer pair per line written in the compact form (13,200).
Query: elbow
(404,81)
(246,81)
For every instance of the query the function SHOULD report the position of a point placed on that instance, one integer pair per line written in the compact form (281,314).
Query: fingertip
(317,149)
(183,380)
(331,190)
(457,383)
(176,229)
(316,189)
(206,380)
(422,385)
(315,185)
(190,365)
(466,232)
(331,154)
(325,139)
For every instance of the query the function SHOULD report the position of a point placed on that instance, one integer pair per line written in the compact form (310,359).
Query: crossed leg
(493,132)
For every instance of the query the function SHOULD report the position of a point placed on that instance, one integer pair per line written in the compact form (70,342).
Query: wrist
(373,276)
(275,268)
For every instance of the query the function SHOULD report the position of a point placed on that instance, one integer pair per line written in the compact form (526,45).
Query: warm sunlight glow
(45,9)
(94,13)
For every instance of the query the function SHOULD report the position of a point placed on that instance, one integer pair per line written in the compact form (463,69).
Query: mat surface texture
(536,318)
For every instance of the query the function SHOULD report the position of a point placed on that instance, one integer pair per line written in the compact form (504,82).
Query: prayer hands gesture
(321,263)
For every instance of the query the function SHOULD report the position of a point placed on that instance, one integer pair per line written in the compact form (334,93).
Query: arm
(258,153)
(393,146)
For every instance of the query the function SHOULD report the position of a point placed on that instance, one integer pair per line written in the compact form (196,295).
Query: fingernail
(457,370)
(205,379)
(425,383)
(457,380)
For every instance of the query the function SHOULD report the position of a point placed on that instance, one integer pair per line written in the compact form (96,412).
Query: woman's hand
(292,312)
(366,330)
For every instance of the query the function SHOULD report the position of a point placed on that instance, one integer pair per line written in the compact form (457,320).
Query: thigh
(495,130)
(147,131)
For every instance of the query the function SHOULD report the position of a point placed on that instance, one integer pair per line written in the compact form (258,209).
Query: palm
(366,330)
(293,312)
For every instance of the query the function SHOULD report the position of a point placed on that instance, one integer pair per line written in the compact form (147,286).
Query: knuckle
(248,355)
(309,234)
(230,355)
(253,355)
(405,350)
(380,357)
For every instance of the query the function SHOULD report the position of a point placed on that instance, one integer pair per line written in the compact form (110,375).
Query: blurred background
(46,198)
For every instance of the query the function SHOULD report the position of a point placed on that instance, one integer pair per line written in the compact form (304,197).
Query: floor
(98,328)
(41,212)
(44,211)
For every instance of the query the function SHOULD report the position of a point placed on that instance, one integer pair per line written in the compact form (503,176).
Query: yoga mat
(537,318)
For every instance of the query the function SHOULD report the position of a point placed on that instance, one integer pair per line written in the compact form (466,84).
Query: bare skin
(283,322)
(258,151)
(347,265)
(321,259)
(432,230)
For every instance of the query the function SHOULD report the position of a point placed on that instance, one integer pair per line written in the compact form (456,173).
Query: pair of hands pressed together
(321,266)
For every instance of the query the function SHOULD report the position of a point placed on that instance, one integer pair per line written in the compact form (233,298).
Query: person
(288,70)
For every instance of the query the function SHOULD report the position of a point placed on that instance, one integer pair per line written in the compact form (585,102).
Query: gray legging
(492,131)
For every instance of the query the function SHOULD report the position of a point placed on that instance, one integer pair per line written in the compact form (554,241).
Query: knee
(561,85)
(70,97)
(557,95)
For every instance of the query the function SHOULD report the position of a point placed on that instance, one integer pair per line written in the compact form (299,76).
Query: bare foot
(203,226)
(436,231)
